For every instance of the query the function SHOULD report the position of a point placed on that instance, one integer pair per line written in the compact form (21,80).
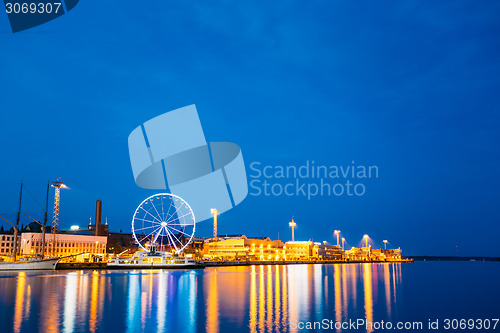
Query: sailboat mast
(45,220)
(16,228)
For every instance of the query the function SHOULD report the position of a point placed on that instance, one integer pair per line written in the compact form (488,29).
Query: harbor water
(263,298)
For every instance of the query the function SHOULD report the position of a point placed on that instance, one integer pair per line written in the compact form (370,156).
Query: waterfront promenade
(202,264)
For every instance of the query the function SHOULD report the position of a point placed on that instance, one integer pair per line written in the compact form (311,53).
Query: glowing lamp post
(214,213)
(292,224)
(365,237)
(343,241)
(337,232)
(385,244)
(58,185)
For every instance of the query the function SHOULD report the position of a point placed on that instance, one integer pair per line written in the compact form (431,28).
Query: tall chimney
(98,211)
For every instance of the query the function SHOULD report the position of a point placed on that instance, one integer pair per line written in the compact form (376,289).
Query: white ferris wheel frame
(165,194)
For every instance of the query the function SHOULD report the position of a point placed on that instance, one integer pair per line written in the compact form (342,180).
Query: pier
(203,264)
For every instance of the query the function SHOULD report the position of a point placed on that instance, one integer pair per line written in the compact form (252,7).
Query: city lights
(337,232)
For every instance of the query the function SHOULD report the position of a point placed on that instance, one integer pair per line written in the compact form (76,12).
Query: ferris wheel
(165,220)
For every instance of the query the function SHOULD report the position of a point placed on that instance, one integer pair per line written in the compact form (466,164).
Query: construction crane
(58,185)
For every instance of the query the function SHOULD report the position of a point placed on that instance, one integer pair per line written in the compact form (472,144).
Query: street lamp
(338,233)
(385,244)
(343,241)
(292,224)
(366,240)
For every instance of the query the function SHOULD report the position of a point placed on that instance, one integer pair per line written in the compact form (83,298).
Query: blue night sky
(412,87)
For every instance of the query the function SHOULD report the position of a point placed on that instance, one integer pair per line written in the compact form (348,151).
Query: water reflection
(387,288)
(18,316)
(262,298)
(70,302)
(94,300)
(367,286)
(278,294)
(212,309)
(337,292)
(132,299)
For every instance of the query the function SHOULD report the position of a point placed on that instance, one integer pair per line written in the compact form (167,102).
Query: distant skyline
(410,87)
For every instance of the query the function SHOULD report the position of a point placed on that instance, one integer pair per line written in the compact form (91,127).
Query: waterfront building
(367,254)
(358,253)
(327,252)
(63,244)
(195,248)
(6,244)
(392,254)
(121,241)
(98,229)
(377,255)
(238,247)
(298,250)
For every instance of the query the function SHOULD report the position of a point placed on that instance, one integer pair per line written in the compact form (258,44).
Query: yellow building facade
(240,247)
(7,245)
(298,250)
(62,244)
(327,252)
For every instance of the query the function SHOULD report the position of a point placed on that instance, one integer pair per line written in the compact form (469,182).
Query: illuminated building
(367,253)
(64,244)
(121,241)
(234,247)
(195,247)
(6,245)
(327,252)
(298,250)
(358,253)
(377,255)
(393,254)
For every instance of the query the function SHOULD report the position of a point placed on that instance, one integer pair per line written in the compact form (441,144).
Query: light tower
(215,212)
(366,240)
(57,196)
(385,244)
(292,224)
(338,233)
(343,241)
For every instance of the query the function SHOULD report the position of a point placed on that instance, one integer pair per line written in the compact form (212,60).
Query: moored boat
(152,259)
(38,262)
(29,264)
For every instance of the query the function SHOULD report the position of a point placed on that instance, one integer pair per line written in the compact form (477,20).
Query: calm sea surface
(251,299)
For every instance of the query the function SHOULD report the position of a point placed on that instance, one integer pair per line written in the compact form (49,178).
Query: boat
(38,262)
(29,264)
(151,258)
